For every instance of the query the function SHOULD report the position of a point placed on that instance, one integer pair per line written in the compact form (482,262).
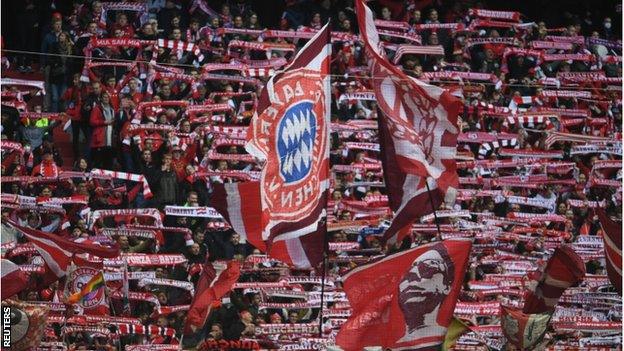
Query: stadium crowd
(157,95)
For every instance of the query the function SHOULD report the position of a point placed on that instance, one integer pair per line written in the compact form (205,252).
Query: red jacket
(46,169)
(98,122)
(73,99)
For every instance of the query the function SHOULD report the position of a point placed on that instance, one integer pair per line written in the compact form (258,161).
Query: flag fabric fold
(212,285)
(57,252)
(13,279)
(612,236)
(564,269)
(418,134)
(522,330)
(406,300)
(245,219)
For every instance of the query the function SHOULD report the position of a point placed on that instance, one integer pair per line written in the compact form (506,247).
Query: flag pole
(435,214)
(112,308)
(325,243)
(323,279)
(72,267)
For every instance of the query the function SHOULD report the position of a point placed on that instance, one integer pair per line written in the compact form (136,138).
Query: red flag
(243,216)
(13,279)
(210,287)
(613,248)
(283,213)
(290,134)
(57,252)
(245,219)
(563,270)
(523,330)
(405,300)
(418,134)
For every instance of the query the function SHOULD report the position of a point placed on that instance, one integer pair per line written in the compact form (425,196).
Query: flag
(284,213)
(523,330)
(418,134)
(199,307)
(243,216)
(55,255)
(57,252)
(455,330)
(28,322)
(245,219)
(290,135)
(612,236)
(563,270)
(89,290)
(211,287)
(88,287)
(13,279)
(406,300)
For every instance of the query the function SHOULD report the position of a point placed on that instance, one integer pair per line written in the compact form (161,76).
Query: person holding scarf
(102,120)
(47,167)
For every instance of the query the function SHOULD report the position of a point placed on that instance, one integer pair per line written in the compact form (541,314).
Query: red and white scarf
(147,193)
(199,212)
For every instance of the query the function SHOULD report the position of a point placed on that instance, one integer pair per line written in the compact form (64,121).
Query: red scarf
(46,169)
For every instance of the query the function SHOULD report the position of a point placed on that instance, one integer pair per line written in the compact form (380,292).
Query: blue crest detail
(295,141)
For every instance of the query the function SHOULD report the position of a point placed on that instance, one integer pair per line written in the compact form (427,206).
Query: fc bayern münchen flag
(290,136)
(417,134)
(283,213)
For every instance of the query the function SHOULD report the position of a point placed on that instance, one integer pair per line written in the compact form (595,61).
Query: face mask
(607,25)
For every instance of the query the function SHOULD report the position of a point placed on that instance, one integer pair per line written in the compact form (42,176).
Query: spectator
(101,121)
(27,21)
(60,68)
(72,100)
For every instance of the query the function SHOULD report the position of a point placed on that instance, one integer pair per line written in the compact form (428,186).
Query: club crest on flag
(294,142)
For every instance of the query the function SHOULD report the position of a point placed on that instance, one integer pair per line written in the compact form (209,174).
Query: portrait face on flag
(423,289)
(405,300)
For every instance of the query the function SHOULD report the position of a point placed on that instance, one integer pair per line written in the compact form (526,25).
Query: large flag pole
(323,277)
(435,213)
(325,239)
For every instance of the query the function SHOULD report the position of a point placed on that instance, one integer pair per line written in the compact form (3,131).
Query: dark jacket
(87,106)
(166,188)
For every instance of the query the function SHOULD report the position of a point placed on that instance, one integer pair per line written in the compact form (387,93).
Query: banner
(406,299)
(418,134)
